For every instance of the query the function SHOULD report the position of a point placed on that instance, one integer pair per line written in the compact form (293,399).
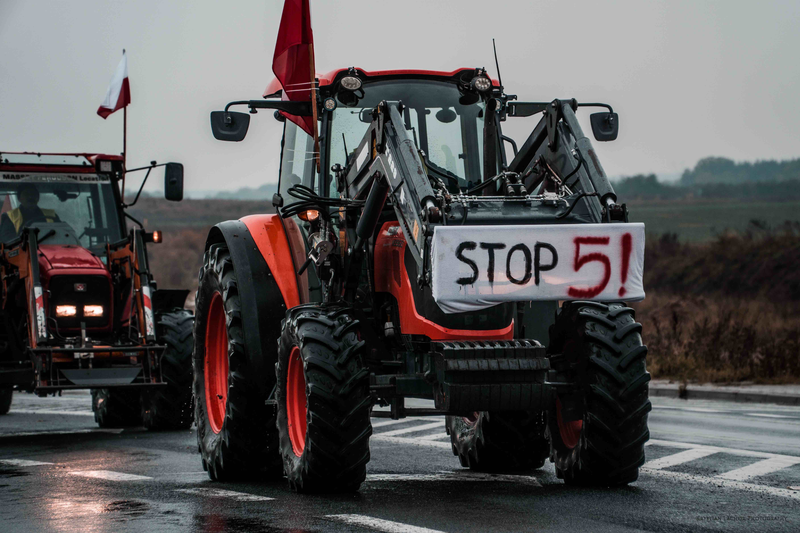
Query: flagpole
(124,145)
(314,105)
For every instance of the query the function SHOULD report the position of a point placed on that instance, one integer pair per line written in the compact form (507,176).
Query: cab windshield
(66,209)
(449,133)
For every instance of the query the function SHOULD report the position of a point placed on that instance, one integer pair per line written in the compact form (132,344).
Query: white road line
(761,468)
(412,429)
(768,415)
(723,483)
(679,458)
(413,442)
(439,435)
(383,423)
(692,409)
(379,524)
(458,475)
(220,493)
(50,412)
(732,451)
(108,475)
(22,462)
(62,432)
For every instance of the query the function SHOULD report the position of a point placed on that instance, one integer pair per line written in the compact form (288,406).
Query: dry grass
(720,339)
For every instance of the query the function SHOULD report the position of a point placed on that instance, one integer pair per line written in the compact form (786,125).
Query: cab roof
(327,79)
(53,162)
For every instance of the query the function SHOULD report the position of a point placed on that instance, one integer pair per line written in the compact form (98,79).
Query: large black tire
(170,407)
(243,442)
(6,395)
(117,408)
(323,400)
(499,441)
(600,347)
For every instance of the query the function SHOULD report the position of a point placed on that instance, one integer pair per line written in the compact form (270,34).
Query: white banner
(475,267)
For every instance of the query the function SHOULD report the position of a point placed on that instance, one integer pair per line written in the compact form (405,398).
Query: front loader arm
(387,153)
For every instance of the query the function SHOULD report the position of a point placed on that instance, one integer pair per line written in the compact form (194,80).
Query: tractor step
(490,375)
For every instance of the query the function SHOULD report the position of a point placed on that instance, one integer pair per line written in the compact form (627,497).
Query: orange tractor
(80,308)
(419,252)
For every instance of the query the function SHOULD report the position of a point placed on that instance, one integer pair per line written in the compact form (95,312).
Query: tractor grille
(80,291)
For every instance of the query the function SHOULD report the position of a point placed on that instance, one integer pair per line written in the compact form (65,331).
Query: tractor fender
(168,299)
(261,262)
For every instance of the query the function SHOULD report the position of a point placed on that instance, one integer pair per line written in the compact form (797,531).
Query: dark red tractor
(419,252)
(80,308)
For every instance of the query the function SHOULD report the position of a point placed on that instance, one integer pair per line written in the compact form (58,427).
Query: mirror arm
(302,109)
(597,104)
(150,168)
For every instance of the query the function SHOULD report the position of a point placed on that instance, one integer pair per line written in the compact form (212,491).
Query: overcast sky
(689,78)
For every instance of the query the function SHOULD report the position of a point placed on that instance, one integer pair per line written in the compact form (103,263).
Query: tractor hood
(62,257)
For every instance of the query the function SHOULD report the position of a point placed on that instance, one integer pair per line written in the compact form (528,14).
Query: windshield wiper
(47,235)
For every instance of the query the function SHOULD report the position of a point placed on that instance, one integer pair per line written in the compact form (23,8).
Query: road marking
(379,524)
(383,423)
(108,475)
(413,429)
(732,451)
(458,475)
(761,468)
(691,409)
(413,442)
(679,458)
(62,432)
(435,436)
(767,415)
(220,493)
(22,462)
(51,412)
(723,483)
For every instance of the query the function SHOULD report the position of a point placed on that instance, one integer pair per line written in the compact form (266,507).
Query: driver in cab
(28,211)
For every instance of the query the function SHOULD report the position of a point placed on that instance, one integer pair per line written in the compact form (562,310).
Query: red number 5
(591,292)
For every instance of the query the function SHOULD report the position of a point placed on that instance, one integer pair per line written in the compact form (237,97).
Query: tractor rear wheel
(117,408)
(323,400)
(499,441)
(6,395)
(599,347)
(170,407)
(236,433)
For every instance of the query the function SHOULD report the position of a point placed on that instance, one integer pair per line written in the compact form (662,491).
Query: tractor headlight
(66,310)
(481,83)
(92,311)
(351,83)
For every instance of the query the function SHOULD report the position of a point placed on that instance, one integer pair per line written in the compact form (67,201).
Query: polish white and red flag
(119,92)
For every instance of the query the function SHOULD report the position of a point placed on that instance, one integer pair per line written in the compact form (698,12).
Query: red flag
(293,62)
(119,92)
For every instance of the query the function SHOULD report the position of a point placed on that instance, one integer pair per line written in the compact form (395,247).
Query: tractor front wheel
(117,408)
(6,394)
(323,400)
(170,407)
(598,429)
(499,441)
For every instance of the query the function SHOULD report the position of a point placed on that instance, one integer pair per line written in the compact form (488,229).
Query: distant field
(701,220)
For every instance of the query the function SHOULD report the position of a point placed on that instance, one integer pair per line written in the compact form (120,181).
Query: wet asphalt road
(712,466)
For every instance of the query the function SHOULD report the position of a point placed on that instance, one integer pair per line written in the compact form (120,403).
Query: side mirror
(229,125)
(605,126)
(173,182)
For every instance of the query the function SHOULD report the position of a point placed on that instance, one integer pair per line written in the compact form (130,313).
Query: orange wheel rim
(570,431)
(296,402)
(215,364)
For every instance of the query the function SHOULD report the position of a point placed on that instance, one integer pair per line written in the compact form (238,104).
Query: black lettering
(537,265)
(527,253)
(491,247)
(469,245)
